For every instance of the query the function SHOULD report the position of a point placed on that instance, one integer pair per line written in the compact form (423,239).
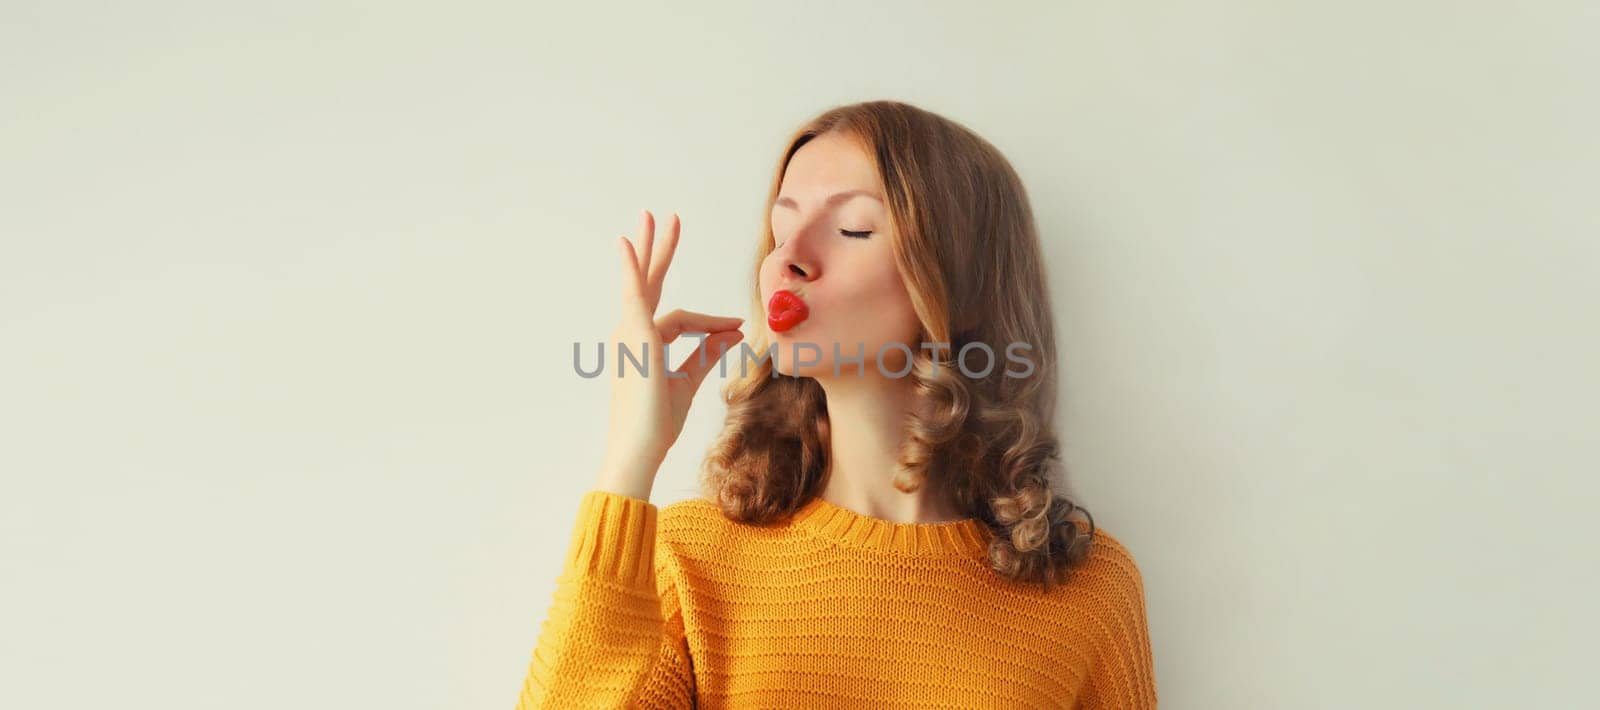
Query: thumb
(707,355)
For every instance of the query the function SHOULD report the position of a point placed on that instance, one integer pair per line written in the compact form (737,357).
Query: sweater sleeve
(614,635)
(1123,673)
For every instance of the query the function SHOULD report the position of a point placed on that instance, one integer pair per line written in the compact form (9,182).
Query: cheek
(878,313)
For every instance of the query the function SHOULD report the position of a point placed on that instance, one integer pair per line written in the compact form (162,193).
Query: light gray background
(288,292)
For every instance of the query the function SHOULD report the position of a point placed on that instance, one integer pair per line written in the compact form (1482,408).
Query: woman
(881,523)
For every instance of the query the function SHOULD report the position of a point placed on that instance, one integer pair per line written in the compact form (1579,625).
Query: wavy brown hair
(968,251)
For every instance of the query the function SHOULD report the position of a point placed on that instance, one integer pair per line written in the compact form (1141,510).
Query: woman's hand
(648,410)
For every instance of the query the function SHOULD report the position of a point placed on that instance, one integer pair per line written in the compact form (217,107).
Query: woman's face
(833,248)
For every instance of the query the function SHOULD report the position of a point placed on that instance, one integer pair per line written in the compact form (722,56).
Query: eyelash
(855,235)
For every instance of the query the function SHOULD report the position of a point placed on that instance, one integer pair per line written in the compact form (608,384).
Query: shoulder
(696,531)
(1108,552)
(1110,582)
(690,524)
(688,512)
(1122,668)
(1112,563)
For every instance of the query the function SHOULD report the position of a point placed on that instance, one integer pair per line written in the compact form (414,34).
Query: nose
(798,270)
(798,260)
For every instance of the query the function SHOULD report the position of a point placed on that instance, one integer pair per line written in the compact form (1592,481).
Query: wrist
(630,476)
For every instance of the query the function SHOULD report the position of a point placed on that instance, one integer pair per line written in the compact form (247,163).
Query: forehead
(830,161)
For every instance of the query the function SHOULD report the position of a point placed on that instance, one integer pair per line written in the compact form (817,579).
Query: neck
(867,417)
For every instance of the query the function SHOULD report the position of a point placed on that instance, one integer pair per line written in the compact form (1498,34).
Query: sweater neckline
(966,537)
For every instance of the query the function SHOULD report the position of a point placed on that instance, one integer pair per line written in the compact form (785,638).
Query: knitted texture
(681,608)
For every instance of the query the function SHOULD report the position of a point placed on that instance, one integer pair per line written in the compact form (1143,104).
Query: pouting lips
(785,310)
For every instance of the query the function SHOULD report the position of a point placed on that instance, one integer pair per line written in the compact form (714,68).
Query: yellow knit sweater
(833,609)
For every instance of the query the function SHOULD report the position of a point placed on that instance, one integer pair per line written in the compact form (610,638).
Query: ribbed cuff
(614,538)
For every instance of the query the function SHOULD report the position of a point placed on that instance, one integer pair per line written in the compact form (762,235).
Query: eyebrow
(832,199)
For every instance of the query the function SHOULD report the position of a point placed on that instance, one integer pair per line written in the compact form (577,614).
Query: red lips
(785,310)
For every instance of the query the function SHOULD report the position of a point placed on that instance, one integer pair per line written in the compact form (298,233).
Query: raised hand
(648,411)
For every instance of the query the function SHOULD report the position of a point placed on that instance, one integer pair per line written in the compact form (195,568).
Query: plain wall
(288,293)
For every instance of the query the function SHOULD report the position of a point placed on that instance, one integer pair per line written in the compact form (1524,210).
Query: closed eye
(855,235)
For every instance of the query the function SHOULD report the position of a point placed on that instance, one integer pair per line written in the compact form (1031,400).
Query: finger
(632,293)
(661,257)
(647,240)
(679,321)
(706,356)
